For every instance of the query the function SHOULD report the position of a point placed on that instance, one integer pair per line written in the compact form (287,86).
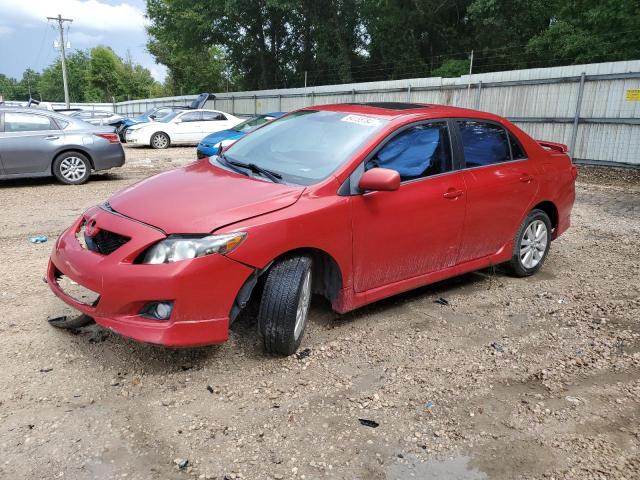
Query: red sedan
(354,202)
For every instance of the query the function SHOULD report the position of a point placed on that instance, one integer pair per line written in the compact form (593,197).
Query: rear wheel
(284,306)
(72,168)
(160,140)
(531,244)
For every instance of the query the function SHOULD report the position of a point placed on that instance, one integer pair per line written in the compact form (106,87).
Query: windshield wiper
(227,163)
(273,176)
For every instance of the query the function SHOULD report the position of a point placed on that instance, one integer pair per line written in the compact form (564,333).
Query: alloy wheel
(160,141)
(303,305)
(534,244)
(73,169)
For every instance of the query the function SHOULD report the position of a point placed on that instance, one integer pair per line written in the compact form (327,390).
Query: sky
(26,38)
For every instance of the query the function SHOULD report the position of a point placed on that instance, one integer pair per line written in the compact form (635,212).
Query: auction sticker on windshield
(361,120)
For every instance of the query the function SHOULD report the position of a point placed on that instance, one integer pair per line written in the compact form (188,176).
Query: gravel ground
(513,378)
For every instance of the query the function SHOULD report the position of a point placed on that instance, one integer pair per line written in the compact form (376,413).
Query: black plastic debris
(441,301)
(497,347)
(210,388)
(303,354)
(57,320)
(368,423)
(182,463)
(45,370)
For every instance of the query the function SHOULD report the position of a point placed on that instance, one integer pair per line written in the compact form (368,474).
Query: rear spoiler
(556,147)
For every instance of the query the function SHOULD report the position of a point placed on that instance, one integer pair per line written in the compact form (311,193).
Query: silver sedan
(40,143)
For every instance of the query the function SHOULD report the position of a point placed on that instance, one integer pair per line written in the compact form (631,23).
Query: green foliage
(219,45)
(272,43)
(452,68)
(98,75)
(12,89)
(584,31)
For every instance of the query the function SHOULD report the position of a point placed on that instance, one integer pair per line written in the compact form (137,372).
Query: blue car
(210,144)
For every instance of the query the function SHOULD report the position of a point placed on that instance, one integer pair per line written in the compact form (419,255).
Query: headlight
(174,249)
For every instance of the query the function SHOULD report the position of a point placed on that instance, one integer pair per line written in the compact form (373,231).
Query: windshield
(167,118)
(251,123)
(307,146)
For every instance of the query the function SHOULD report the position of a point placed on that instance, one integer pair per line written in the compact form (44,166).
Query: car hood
(201,198)
(214,138)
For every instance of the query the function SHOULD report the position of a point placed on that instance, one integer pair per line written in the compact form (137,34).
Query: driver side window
(417,152)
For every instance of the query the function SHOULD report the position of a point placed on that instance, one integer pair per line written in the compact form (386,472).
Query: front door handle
(51,137)
(526,178)
(452,194)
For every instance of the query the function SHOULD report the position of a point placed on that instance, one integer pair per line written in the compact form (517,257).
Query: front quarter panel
(318,220)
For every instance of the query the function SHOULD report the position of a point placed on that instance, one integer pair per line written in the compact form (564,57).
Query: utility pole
(63,57)
(469,81)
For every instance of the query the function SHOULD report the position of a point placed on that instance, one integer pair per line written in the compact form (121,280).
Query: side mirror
(380,179)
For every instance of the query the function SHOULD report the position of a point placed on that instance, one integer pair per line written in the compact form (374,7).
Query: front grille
(105,242)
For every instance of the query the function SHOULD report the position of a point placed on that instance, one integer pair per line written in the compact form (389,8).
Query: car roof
(205,110)
(393,110)
(40,111)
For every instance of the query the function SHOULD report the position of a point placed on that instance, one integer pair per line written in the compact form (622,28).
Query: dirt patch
(513,378)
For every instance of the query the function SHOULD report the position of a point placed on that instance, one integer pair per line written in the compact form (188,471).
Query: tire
(71,323)
(160,140)
(72,168)
(284,306)
(531,244)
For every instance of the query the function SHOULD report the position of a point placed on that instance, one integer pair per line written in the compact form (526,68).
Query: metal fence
(62,105)
(594,108)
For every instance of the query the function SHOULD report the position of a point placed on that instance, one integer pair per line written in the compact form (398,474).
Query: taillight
(109,137)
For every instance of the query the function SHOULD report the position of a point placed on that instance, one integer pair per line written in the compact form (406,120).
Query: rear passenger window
(416,152)
(26,122)
(517,152)
(210,116)
(483,143)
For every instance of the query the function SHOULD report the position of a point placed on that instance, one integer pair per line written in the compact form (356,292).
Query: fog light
(157,310)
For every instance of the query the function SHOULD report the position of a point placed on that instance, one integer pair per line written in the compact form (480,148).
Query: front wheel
(284,306)
(531,244)
(160,140)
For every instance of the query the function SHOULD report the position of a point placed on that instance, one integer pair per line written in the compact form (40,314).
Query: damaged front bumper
(202,290)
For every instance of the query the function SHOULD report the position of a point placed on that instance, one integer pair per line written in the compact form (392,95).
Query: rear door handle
(526,178)
(51,137)
(452,194)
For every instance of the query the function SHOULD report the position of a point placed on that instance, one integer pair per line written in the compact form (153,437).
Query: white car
(186,127)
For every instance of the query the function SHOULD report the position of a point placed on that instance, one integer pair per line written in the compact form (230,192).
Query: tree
(181,40)
(584,31)
(50,85)
(104,75)
(7,87)
(501,29)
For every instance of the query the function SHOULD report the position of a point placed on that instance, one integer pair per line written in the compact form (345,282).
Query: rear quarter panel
(558,186)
